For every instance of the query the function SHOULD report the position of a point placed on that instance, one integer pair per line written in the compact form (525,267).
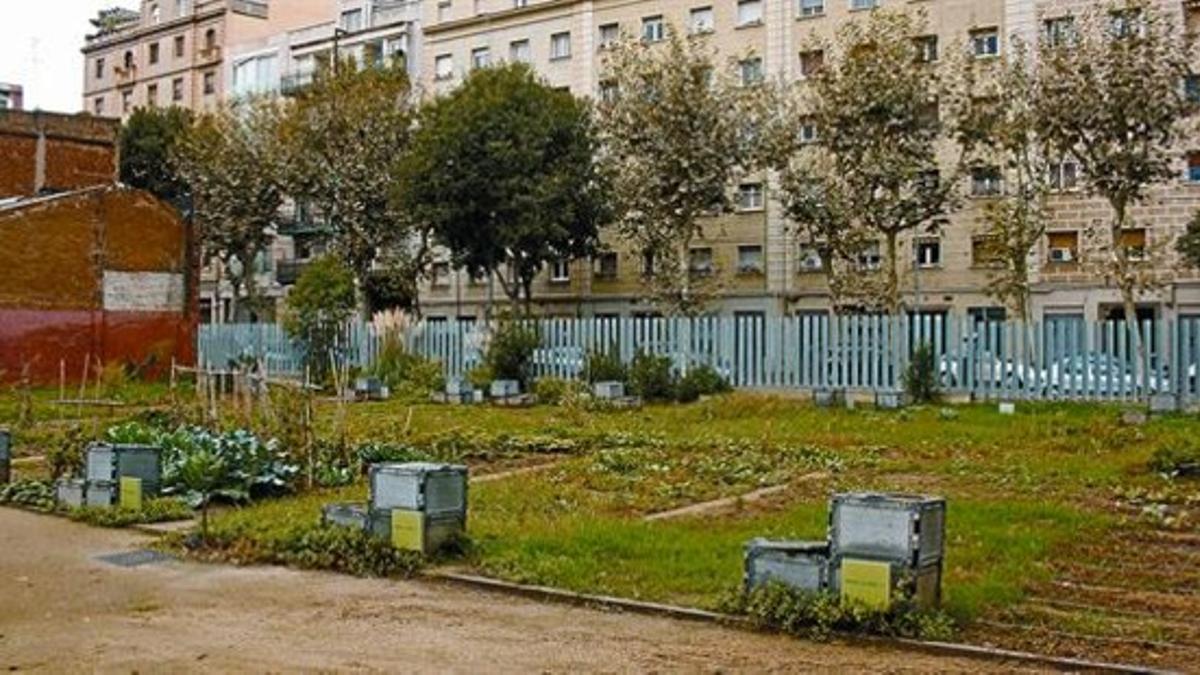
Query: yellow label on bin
(408,530)
(868,582)
(131,493)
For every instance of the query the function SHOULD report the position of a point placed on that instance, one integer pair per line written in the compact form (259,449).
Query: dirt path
(61,609)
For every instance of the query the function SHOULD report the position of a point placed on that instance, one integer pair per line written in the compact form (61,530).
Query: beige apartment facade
(174,52)
(762,267)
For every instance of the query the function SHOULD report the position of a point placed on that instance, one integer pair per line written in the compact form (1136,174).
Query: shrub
(510,354)
(153,511)
(308,546)
(921,375)
(651,378)
(404,372)
(480,376)
(553,390)
(604,366)
(65,455)
(819,615)
(1178,458)
(702,380)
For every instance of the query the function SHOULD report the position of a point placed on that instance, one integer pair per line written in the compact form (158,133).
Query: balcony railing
(294,83)
(288,271)
(254,8)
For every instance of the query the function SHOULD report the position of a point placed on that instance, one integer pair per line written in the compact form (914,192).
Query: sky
(39,48)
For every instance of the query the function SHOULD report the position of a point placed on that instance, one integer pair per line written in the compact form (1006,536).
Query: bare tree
(1109,92)
(677,132)
(864,162)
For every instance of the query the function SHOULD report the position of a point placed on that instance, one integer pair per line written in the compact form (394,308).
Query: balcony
(125,74)
(210,53)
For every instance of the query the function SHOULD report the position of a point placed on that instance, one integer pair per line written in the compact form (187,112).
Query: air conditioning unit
(1061,255)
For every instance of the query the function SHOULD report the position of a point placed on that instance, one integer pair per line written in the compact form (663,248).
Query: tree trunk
(891,289)
(1126,284)
(685,275)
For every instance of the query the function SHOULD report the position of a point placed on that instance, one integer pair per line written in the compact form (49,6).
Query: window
(182,7)
(1133,240)
(560,46)
(481,57)
(653,29)
(700,261)
(98,105)
(443,11)
(749,12)
(986,181)
(929,253)
(927,48)
(863,4)
(177,89)
(179,46)
(1191,89)
(1125,23)
(606,265)
(126,100)
(210,83)
(811,62)
(808,131)
(609,34)
(560,271)
(869,258)
(352,20)
(1062,247)
(1064,175)
(608,91)
(750,259)
(985,43)
(154,53)
(256,75)
(809,259)
(1059,31)
(750,196)
(701,20)
(441,275)
(155,14)
(648,263)
(985,251)
(210,39)
(443,67)
(929,179)
(518,51)
(751,71)
(152,95)
(128,61)
(1191,19)
(99,68)
(812,7)
(1193,167)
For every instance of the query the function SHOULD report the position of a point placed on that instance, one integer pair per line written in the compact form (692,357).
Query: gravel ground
(62,609)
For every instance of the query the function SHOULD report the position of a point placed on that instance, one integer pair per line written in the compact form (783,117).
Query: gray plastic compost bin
(909,529)
(799,564)
(111,463)
(71,492)
(922,584)
(435,489)
(437,531)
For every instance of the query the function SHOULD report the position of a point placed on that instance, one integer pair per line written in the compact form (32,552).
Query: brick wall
(51,152)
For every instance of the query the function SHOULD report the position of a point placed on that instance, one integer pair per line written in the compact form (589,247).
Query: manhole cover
(134,558)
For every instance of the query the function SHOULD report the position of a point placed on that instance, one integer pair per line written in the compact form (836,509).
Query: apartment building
(11,96)
(173,52)
(763,268)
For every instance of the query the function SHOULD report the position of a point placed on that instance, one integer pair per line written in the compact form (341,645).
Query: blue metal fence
(1053,359)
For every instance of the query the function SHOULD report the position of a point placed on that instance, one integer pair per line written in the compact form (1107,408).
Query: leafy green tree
(147,140)
(674,133)
(1110,95)
(864,133)
(343,137)
(319,305)
(503,171)
(1188,244)
(231,162)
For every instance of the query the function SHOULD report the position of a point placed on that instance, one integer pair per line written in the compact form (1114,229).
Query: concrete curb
(546,593)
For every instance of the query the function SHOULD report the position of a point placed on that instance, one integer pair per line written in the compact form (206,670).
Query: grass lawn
(1024,491)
